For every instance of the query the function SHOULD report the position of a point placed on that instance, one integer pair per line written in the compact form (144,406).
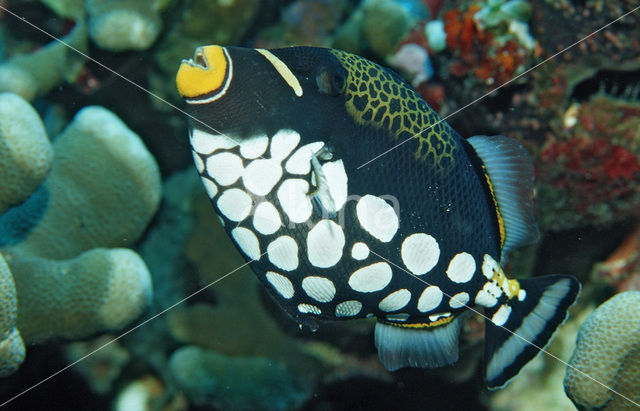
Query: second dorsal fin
(510,174)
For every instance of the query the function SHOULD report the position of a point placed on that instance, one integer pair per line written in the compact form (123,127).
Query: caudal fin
(516,331)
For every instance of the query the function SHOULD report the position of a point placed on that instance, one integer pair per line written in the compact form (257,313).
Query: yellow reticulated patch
(376,98)
(204,73)
(492,270)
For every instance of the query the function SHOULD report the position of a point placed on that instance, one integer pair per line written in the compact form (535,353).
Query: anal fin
(424,347)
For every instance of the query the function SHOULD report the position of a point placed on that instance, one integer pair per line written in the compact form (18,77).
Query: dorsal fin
(510,175)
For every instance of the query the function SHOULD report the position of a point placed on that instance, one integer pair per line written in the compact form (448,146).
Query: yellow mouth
(206,72)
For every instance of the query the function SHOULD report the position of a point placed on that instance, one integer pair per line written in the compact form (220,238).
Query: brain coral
(608,350)
(25,150)
(101,191)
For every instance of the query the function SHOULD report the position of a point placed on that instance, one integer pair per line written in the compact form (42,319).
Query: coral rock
(100,290)
(11,345)
(32,74)
(607,350)
(25,151)
(103,188)
(118,25)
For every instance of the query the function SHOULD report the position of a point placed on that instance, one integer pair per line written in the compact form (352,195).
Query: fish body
(283,141)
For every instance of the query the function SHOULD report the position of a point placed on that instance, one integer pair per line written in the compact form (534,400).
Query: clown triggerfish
(414,238)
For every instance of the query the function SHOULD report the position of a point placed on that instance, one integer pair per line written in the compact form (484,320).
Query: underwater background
(105,228)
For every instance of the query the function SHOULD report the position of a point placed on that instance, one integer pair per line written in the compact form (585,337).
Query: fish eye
(331,81)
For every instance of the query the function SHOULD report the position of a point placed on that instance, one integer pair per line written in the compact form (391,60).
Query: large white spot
(459,300)
(489,266)
(337,180)
(395,301)
(254,147)
(420,253)
(294,200)
(247,241)
(371,278)
(348,308)
(488,296)
(282,143)
(429,299)
(281,284)
(283,253)
(502,315)
(210,187)
(309,309)
(325,242)
(235,204)
(300,161)
(461,268)
(206,143)
(260,176)
(319,288)
(360,251)
(377,217)
(225,168)
(198,162)
(266,218)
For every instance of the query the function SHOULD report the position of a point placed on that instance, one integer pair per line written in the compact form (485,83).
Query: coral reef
(589,169)
(101,191)
(607,350)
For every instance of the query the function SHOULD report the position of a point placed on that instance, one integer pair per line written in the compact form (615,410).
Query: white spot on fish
(461,268)
(395,301)
(266,218)
(235,204)
(294,200)
(319,288)
(371,278)
(429,299)
(377,217)
(348,308)
(283,253)
(359,251)
(420,253)
(247,241)
(225,168)
(325,242)
(281,284)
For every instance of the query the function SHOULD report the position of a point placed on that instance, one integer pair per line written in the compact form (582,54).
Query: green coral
(101,191)
(118,25)
(25,151)
(34,74)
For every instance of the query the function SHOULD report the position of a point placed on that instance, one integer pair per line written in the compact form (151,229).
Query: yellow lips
(206,72)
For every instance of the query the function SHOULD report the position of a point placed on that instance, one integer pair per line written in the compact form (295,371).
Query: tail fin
(520,328)
(420,347)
